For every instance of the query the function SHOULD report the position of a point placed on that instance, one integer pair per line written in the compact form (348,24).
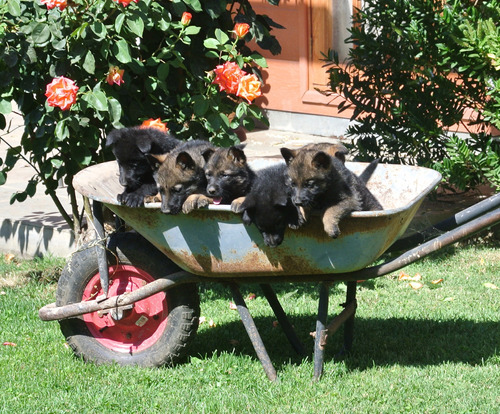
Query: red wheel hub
(135,329)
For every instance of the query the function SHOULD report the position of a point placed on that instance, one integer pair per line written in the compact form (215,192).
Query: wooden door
(311,28)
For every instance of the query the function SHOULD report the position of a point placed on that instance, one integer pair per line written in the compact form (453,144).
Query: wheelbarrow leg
(282,319)
(100,246)
(319,349)
(349,323)
(252,332)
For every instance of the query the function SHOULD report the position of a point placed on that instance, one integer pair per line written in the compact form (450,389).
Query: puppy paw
(153,199)
(332,230)
(131,199)
(195,201)
(236,205)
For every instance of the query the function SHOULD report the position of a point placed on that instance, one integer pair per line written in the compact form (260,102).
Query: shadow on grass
(381,342)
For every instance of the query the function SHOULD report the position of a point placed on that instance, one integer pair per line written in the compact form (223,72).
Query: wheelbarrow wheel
(153,332)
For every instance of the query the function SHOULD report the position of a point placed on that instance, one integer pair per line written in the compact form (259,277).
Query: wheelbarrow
(131,298)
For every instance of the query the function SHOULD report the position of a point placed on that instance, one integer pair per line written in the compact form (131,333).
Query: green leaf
(201,105)
(163,71)
(97,100)
(136,25)
(89,63)
(259,60)
(14,7)
(3,178)
(115,110)
(5,107)
(61,132)
(121,51)
(119,22)
(41,33)
(221,36)
(192,30)
(99,29)
(211,43)
(194,4)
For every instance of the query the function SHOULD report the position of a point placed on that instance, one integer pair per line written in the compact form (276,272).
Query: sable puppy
(132,147)
(322,182)
(228,174)
(181,179)
(268,205)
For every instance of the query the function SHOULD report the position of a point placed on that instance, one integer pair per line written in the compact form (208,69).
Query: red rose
(155,123)
(61,92)
(125,3)
(115,75)
(228,76)
(186,18)
(241,29)
(249,88)
(55,3)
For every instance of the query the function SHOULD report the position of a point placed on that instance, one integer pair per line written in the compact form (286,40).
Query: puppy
(181,178)
(321,181)
(131,147)
(228,174)
(268,205)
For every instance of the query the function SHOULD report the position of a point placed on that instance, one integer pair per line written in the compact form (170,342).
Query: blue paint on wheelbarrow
(214,242)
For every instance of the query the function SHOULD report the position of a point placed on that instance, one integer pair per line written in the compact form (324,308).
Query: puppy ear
(155,160)
(185,161)
(144,144)
(237,154)
(113,136)
(288,155)
(321,160)
(338,151)
(207,154)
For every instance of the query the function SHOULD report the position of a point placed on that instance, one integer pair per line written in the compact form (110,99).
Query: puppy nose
(211,190)
(297,201)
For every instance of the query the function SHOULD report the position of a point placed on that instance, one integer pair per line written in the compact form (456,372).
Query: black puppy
(268,205)
(132,147)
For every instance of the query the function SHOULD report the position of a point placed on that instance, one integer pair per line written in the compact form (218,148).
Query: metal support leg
(100,246)
(349,323)
(282,319)
(252,332)
(319,353)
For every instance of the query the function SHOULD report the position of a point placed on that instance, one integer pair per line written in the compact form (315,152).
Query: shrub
(122,63)
(415,68)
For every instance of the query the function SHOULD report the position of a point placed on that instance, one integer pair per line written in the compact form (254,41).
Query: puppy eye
(310,183)
(208,173)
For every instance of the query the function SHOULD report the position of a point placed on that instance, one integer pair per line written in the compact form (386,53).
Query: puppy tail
(367,173)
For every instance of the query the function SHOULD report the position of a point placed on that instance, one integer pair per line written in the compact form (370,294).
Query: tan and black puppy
(320,181)
(228,174)
(132,148)
(181,178)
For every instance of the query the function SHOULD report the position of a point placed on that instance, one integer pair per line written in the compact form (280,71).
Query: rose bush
(75,70)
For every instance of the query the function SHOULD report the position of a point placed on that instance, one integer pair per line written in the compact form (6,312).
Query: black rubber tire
(182,302)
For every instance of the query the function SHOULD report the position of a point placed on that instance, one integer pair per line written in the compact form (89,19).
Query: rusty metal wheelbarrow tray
(214,242)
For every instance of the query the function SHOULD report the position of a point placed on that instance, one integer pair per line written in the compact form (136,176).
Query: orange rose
(115,75)
(55,3)
(61,92)
(249,88)
(228,76)
(186,18)
(241,29)
(155,123)
(125,3)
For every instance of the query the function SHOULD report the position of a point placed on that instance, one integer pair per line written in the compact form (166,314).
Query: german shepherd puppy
(228,174)
(131,147)
(268,205)
(321,181)
(181,175)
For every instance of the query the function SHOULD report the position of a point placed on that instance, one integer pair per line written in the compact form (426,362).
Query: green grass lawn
(432,350)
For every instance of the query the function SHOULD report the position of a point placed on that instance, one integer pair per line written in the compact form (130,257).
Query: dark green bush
(414,69)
